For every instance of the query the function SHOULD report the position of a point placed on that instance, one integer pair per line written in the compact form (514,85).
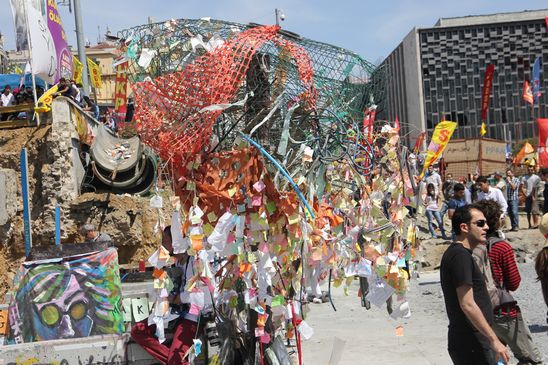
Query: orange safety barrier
(169,111)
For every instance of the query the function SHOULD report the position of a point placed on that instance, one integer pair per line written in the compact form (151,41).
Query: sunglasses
(480,223)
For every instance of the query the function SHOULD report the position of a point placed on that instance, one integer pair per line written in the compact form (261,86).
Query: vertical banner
(120,94)
(27,229)
(369,121)
(442,134)
(487,84)
(419,142)
(95,74)
(542,142)
(21,26)
(64,56)
(43,54)
(77,68)
(536,79)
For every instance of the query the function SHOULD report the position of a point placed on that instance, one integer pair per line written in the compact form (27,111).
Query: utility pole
(81,45)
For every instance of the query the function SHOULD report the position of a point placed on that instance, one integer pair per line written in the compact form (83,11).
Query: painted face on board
(65,316)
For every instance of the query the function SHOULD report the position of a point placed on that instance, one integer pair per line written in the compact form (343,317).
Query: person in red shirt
(541,262)
(508,322)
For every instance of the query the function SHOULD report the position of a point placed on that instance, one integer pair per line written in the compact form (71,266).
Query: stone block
(8,195)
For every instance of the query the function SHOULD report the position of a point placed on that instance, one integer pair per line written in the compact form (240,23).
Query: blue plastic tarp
(14,80)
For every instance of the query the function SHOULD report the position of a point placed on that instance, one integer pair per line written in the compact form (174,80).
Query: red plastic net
(169,110)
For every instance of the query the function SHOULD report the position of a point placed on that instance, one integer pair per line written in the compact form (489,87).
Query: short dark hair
(492,212)
(462,215)
(481,179)
(458,187)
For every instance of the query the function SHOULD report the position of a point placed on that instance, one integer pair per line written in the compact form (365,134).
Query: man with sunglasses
(471,339)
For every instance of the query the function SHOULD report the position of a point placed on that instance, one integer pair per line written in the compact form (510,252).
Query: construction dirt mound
(128,220)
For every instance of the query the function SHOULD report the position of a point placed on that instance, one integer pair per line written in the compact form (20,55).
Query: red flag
(487,84)
(120,93)
(369,120)
(397,124)
(546,21)
(527,94)
(542,141)
(419,142)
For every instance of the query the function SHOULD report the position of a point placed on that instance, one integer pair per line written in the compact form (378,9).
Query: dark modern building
(437,73)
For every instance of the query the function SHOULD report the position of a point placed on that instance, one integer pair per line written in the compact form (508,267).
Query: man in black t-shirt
(470,339)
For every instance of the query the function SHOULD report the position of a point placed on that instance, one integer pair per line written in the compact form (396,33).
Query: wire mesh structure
(206,80)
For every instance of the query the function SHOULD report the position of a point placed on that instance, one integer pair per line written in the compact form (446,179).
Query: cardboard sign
(140,308)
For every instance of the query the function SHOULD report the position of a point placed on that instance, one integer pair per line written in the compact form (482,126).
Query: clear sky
(370,28)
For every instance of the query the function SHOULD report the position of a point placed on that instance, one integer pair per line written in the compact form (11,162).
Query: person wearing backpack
(470,339)
(497,262)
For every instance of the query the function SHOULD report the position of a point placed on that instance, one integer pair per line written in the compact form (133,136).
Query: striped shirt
(505,270)
(512,194)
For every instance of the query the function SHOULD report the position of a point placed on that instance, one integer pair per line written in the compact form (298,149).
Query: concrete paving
(370,335)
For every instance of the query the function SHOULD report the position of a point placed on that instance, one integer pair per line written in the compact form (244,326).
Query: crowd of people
(478,270)
(441,197)
(17,96)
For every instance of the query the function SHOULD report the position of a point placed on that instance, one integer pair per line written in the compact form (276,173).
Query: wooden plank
(18,123)
(16,108)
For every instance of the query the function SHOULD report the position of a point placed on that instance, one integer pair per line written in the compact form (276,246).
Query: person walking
(531,183)
(486,192)
(432,177)
(512,199)
(432,211)
(458,200)
(448,190)
(508,320)
(471,340)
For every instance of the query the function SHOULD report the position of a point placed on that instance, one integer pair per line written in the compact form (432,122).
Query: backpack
(497,293)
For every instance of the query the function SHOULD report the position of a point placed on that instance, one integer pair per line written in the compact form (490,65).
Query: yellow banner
(442,134)
(94,74)
(77,68)
(44,103)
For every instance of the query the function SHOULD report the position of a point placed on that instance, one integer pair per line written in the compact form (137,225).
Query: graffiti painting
(70,297)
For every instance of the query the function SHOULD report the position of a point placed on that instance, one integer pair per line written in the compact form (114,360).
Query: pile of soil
(129,220)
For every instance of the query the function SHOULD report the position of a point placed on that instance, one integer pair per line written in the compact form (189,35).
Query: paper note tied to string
(140,308)
(259,186)
(399,331)
(379,292)
(126,309)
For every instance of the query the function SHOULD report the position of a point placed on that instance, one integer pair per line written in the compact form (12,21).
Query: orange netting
(169,110)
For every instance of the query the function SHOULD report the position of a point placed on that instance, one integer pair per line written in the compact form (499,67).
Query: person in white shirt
(486,192)
(6,99)
(432,177)
(7,96)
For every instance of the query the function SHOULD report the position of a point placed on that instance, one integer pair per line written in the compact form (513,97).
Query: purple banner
(64,56)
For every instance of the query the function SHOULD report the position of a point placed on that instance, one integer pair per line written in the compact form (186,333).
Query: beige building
(103,54)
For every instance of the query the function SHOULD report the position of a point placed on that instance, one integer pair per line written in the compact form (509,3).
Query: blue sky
(370,28)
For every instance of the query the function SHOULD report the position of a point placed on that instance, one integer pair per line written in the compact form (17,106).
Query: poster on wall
(70,297)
